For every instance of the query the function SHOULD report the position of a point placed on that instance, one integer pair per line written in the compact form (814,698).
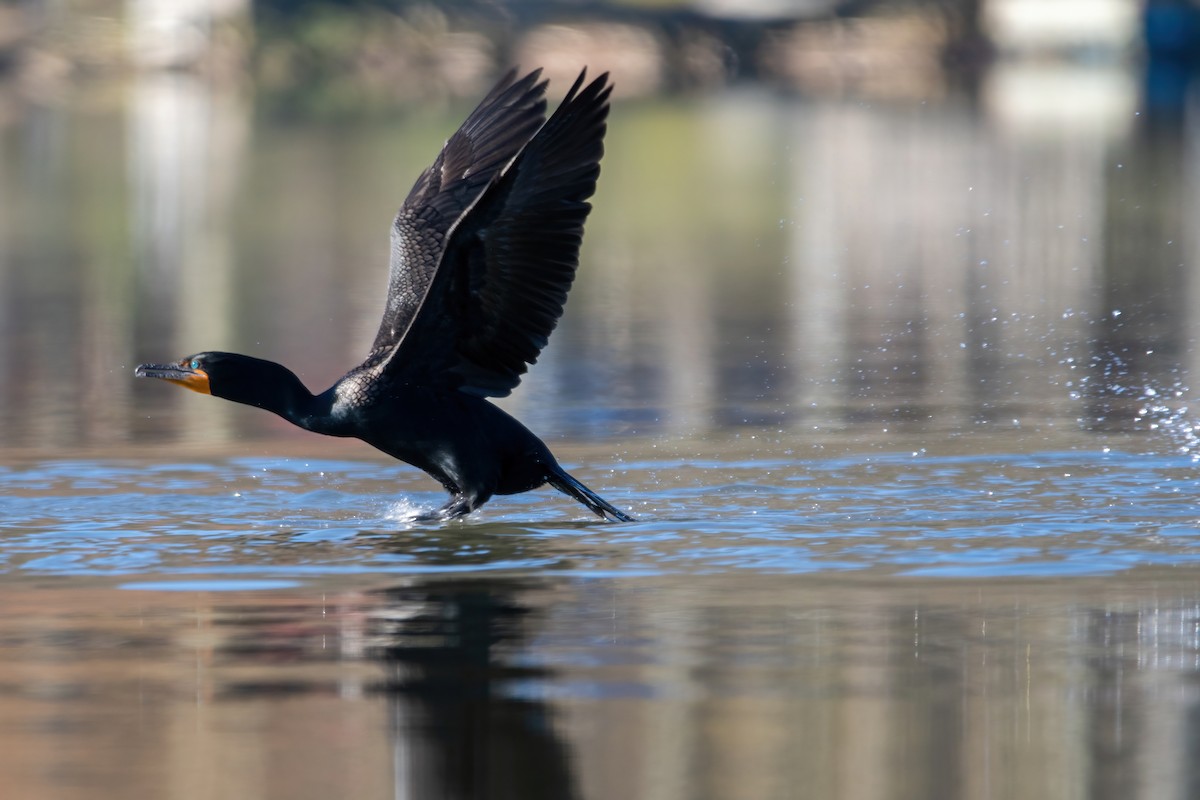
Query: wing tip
(600,85)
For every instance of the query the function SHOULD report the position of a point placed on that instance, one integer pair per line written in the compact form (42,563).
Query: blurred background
(812,214)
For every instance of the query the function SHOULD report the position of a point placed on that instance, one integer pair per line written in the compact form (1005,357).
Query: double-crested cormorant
(483,252)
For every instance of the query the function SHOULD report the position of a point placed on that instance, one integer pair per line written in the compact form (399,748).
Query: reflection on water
(460,728)
(899,393)
(986,624)
(558,688)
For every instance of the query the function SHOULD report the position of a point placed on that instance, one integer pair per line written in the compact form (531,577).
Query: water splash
(1167,413)
(406,511)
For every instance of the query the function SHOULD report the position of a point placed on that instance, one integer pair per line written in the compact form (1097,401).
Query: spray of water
(405,511)
(1161,408)
(1166,412)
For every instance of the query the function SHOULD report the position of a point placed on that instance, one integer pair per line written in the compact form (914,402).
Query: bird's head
(194,372)
(242,379)
(236,377)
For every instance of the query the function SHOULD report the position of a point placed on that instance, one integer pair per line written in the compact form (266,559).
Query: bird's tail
(559,479)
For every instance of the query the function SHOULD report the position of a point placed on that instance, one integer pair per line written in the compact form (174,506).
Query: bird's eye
(195,363)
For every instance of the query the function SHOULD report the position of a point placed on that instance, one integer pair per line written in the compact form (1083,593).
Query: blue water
(242,523)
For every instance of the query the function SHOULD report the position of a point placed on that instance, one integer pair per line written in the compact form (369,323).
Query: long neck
(273,387)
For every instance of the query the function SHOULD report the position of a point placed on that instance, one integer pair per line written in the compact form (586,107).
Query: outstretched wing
(503,277)
(487,141)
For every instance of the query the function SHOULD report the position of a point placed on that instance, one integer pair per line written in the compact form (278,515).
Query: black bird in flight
(483,253)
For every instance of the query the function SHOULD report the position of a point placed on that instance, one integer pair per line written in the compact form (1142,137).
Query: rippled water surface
(288,520)
(767,622)
(899,394)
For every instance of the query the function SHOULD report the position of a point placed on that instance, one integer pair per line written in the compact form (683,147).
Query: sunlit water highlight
(1044,513)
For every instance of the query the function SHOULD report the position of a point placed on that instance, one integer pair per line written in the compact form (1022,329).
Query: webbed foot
(458,505)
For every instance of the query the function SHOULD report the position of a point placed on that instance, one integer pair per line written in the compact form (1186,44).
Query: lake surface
(897,392)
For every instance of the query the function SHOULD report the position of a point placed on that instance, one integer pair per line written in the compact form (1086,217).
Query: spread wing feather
(501,281)
(487,141)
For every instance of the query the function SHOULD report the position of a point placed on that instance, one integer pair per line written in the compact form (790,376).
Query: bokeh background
(812,213)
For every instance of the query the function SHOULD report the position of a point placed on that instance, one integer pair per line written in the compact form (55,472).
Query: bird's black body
(484,251)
